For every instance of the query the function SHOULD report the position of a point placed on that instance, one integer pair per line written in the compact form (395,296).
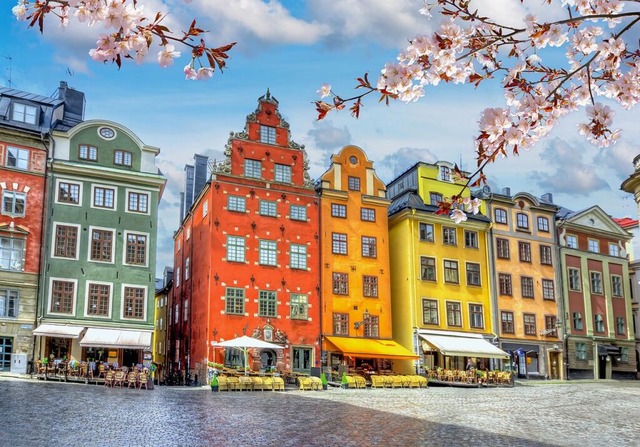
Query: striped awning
(116,338)
(58,330)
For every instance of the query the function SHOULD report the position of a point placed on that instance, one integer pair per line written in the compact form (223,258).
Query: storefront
(450,350)
(123,347)
(59,341)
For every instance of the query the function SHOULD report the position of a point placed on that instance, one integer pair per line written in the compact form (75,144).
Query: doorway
(602,366)
(554,365)
(6,349)
(302,359)
(268,359)
(130,357)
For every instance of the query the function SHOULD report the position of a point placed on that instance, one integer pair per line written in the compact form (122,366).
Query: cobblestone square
(37,413)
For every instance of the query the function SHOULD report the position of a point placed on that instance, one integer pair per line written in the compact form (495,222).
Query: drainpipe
(44,137)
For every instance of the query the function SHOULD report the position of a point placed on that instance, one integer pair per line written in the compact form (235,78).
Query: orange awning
(371,348)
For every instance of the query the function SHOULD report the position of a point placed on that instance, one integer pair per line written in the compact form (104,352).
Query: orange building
(356,287)
(246,256)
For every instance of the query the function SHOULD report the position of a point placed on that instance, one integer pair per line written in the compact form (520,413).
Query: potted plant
(344,382)
(214,383)
(325,382)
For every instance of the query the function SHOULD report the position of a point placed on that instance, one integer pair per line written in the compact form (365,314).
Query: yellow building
(159,351)
(525,259)
(440,282)
(355,279)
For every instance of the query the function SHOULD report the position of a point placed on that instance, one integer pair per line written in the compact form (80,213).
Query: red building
(246,256)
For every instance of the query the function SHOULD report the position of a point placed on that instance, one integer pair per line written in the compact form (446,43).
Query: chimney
(73,104)
(506,192)
(548,197)
(188,188)
(200,175)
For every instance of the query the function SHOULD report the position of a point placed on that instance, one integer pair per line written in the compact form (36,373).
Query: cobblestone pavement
(38,413)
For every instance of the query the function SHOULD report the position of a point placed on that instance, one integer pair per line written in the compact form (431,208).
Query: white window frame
(21,162)
(267,134)
(128,193)
(238,248)
(294,303)
(125,238)
(10,295)
(55,225)
(26,111)
(571,241)
(16,195)
(267,252)
(614,250)
(298,257)
(599,290)
(115,197)
(91,151)
(86,299)
(69,182)
(122,302)
(593,246)
(50,296)
(113,244)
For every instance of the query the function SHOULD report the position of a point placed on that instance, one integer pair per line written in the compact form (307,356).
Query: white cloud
(394,164)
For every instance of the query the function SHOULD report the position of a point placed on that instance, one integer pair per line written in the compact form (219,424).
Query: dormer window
(268,134)
(25,113)
(445,174)
(122,158)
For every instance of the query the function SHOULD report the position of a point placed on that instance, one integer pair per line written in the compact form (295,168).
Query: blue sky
(292,47)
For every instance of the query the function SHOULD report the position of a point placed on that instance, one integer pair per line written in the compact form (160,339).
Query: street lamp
(365,319)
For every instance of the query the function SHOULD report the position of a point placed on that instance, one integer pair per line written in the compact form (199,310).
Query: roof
(411,200)
(626,222)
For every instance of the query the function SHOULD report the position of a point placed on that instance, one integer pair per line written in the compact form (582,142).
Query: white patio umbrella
(245,343)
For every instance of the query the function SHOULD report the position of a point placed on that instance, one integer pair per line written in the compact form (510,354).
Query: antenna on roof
(9,69)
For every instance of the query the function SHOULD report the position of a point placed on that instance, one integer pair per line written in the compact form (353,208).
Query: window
(507,322)
(522,221)
(298,256)
(103,197)
(234,298)
(252,168)
(614,250)
(86,152)
(596,282)
(13,203)
(502,248)
(137,250)
(17,158)
(594,246)
(340,283)
(445,174)
(572,241)
(282,173)
(529,324)
(338,210)
(372,327)
(268,252)
(66,241)
(581,351)
(470,239)
(370,286)
(451,272)
(267,134)
(339,243)
(616,285)
(577,321)
(574,279)
(548,290)
(476,316)
(205,208)
(500,216)
(454,314)
(134,303)
(62,293)
(429,311)
(473,274)
(340,324)
(8,303)
(267,304)
(187,265)
(550,325)
(448,236)
(24,113)
(236,203)
(99,300)
(69,193)
(504,280)
(299,306)
(545,255)
(620,325)
(268,208)
(122,158)
(298,212)
(524,249)
(354,183)
(543,224)
(235,248)
(599,323)
(624,355)
(435,198)
(369,247)
(368,214)
(526,285)
(101,245)
(427,268)
(138,202)
(426,232)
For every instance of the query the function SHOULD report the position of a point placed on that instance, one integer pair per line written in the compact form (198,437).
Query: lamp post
(365,319)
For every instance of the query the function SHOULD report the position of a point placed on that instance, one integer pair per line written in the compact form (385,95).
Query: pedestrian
(469,366)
